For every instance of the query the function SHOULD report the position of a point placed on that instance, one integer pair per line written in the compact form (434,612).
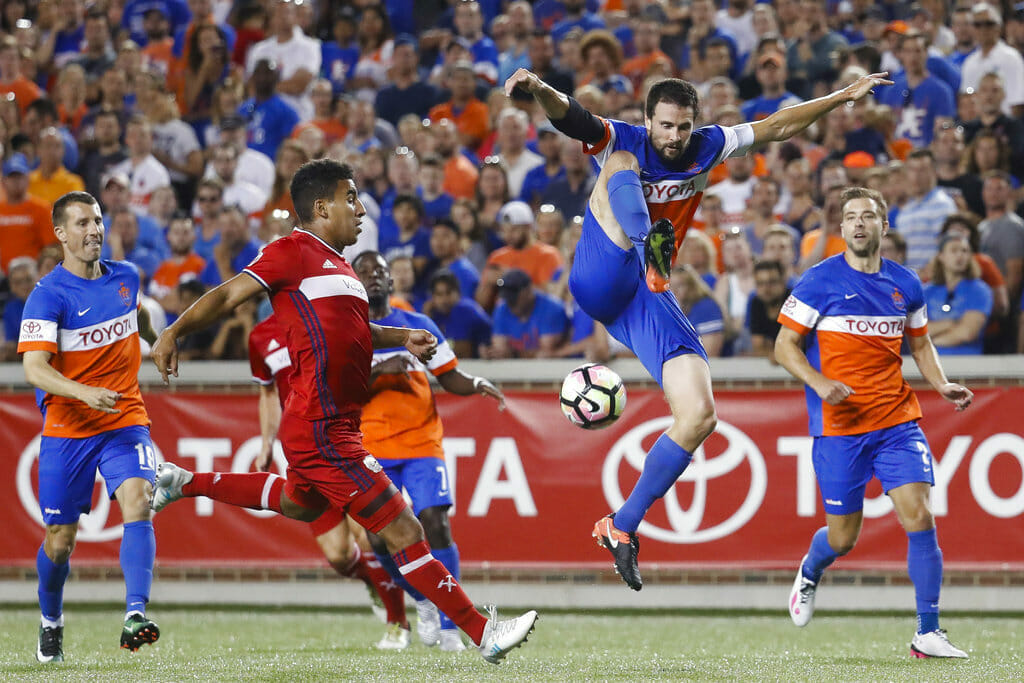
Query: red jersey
(324,310)
(268,357)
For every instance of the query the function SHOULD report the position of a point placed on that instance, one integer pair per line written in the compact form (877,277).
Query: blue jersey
(269,123)
(968,295)
(915,110)
(337,64)
(467,321)
(547,317)
(211,273)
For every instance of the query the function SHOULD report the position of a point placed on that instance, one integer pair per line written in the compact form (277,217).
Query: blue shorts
(67,469)
(844,465)
(610,286)
(425,479)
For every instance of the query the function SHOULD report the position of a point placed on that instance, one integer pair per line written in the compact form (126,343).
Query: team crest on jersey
(371,464)
(898,300)
(126,294)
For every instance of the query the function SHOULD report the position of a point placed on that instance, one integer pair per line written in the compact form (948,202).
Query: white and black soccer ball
(592,396)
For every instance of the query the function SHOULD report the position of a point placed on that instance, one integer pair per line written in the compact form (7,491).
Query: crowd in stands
(187,120)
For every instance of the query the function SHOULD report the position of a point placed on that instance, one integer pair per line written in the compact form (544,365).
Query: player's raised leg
(828,543)
(924,565)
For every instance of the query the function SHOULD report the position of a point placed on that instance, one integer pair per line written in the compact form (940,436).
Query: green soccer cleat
(138,631)
(659,248)
(50,647)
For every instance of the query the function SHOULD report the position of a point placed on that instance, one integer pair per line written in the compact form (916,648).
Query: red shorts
(328,466)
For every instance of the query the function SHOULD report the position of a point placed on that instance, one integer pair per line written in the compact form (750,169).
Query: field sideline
(287,644)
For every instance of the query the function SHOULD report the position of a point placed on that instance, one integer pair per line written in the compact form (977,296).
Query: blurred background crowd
(187,120)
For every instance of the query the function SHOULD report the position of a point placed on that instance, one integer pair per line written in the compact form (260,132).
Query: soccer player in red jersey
(324,308)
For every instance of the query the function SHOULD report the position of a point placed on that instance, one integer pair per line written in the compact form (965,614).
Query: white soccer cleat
(167,488)
(451,640)
(395,638)
(801,598)
(501,637)
(934,644)
(428,623)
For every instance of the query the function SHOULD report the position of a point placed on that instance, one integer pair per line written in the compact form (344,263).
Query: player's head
(671,108)
(375,274)
(864,220)
(326,200)
(78,225)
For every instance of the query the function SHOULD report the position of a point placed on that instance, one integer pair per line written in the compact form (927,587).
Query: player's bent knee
(60,542)
(133,496)
(620,160)
(402,532)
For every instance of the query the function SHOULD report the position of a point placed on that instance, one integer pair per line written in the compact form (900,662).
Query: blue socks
(388,562)
(51,585)
(138,551)
(924,565)
(664,464)
(449,557)
(626,198)
(819,556)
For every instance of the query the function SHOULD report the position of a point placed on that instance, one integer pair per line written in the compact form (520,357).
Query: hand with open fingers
(833,392)
(525,79)
(100,399)
(864,85)
(957,394)
(165,355)
(485,387)
(421,344)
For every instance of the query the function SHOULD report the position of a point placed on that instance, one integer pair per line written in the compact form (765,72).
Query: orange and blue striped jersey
(401,419)
(91,327)
(855,324)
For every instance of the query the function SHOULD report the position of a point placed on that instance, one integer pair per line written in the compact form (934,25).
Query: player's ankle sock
(819,556)
(665,462)
(449,557)
(51,586)
(138,551)
(388,563)
(626,199)
(430,577)
(924,565)
(254,490)
(391,594)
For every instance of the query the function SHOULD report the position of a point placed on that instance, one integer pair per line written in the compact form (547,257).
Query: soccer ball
(592,396)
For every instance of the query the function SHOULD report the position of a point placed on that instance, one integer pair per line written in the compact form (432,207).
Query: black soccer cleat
(624,547)
(51,644)
(659,249)
(138,631)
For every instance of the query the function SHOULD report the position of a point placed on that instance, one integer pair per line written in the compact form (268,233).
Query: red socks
(255,490)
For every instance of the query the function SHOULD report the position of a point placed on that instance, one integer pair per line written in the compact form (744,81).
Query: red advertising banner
(528,485)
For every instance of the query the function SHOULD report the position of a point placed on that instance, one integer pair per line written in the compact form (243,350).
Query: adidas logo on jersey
(328,264)
(273,345)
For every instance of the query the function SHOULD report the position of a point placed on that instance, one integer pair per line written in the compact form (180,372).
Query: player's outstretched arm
(40,374)
(565,113)
(927,359)
(461,384)
(789,354)
(785,123)
(210,307)
(420,343)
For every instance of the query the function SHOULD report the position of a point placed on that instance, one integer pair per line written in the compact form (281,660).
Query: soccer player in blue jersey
(657,172)
(80,339)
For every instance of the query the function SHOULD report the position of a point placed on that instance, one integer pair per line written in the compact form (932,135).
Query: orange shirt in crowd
(472,121)
(25,92)
(460,176)
(25,228)
(540,261)
(72,119)
(333,130)
(57,185)
(834,245)
(171,272)
(637,68)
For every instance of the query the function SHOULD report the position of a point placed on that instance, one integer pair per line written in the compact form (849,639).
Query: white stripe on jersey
(442,357)
(101,334)
(278,360)
(33,330)
(918,319)
(322,286)
(864,325)
(800,312)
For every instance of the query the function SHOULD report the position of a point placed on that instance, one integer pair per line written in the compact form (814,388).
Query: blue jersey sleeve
(805,306)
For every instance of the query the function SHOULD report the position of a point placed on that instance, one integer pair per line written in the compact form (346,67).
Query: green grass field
(260,644)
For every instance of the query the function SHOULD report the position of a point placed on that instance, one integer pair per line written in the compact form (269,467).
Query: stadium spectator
(25,226)
(328,113)
(403,177)
(959,303)
(362,132)
(894,247)
(232,339)
(162,206)
(183,264)
(809,57)
(520,30)
(920,219)
(375,51)
(491,191)
(948,148)
(469,114)
(51,180)
(22,275)
(550,225)
(253,166)
(538,178)
(209,204)
(813,248)
(60,43)
(97,53)
(405,93)
(801,211)
(447,253)
(116,195)
(296,55)
(989,99)
(270,117)
(699,305)
(528,323)
(233,252)
(1002,231)
(290,156)
(761,209)
(175,144)
(698,252)
(42,114)
(49,257)
(919,100)
(123,239)
(113,96)
(11,78)
(460,173)
(570,192)
(602,60)
(577,16)
(543,63)
(143,170)
(478,240)
(736,189)
(770,292)
(649,56)
(963,36)
(779,246)
(411,239)
(994,55)
(196,345)
(134,12)
(338,56)
(733,290)
(469,23)
(737,20)
(403,276)
(771,77)
(461,320)
(159,50)
(70,94)
(237,192)
(206,67)
(541,262)
(965,225)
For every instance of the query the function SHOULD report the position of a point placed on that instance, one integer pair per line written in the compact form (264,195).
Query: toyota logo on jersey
(718,493)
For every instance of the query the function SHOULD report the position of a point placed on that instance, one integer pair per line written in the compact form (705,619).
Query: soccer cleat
(395,638)
(801,598)
(50,647)
(501,637)
(138,631)
(169,480)
(659,248)
(623,546)
(934,644)
(451,640)
(428,623)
